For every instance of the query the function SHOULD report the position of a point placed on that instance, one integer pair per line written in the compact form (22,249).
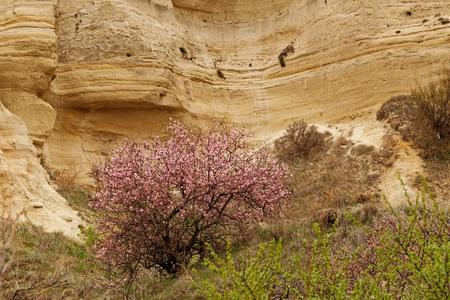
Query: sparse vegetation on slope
(330,177)
(49,266)
(403,254)
(423,118)
(334,239)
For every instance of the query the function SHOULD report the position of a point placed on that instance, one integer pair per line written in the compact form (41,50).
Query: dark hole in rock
(444,21)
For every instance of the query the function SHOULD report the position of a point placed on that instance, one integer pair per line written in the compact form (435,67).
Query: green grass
(78,199)
(49,266)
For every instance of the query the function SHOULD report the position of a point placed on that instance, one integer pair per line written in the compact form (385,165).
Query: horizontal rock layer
(28,47)
(110,69)
(24,188)
(162,58)
(28,58)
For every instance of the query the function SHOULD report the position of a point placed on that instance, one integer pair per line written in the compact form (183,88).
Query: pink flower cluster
(163,201)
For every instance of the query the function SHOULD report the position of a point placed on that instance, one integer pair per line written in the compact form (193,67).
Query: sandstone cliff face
(85,74)
(125,66)
(28,58)
(24,187)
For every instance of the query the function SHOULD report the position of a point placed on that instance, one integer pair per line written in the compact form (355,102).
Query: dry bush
(433,102)
(422,118)
(335,181)
(7,233)
(65,178)
(301,141)
(403,115)
(327,179)
(401,112)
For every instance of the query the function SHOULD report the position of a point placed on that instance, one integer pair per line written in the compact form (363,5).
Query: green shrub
(320,274)
(256,276)
(414,256)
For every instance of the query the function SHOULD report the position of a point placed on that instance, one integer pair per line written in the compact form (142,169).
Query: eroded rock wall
(85,74)
(28,58)
(128,65)
(24,184)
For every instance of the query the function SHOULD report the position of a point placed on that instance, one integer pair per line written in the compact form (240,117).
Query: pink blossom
(161,202)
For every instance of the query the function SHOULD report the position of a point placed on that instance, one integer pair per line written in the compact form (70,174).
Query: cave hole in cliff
(444,21)
(184,52)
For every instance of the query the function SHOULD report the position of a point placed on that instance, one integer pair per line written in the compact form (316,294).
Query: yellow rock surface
(24,186)
(112,69)
(121,71)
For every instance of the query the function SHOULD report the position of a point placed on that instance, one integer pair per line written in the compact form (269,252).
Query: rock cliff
(84,74)
(24,188)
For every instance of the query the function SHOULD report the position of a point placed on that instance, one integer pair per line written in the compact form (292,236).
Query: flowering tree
(162,202)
